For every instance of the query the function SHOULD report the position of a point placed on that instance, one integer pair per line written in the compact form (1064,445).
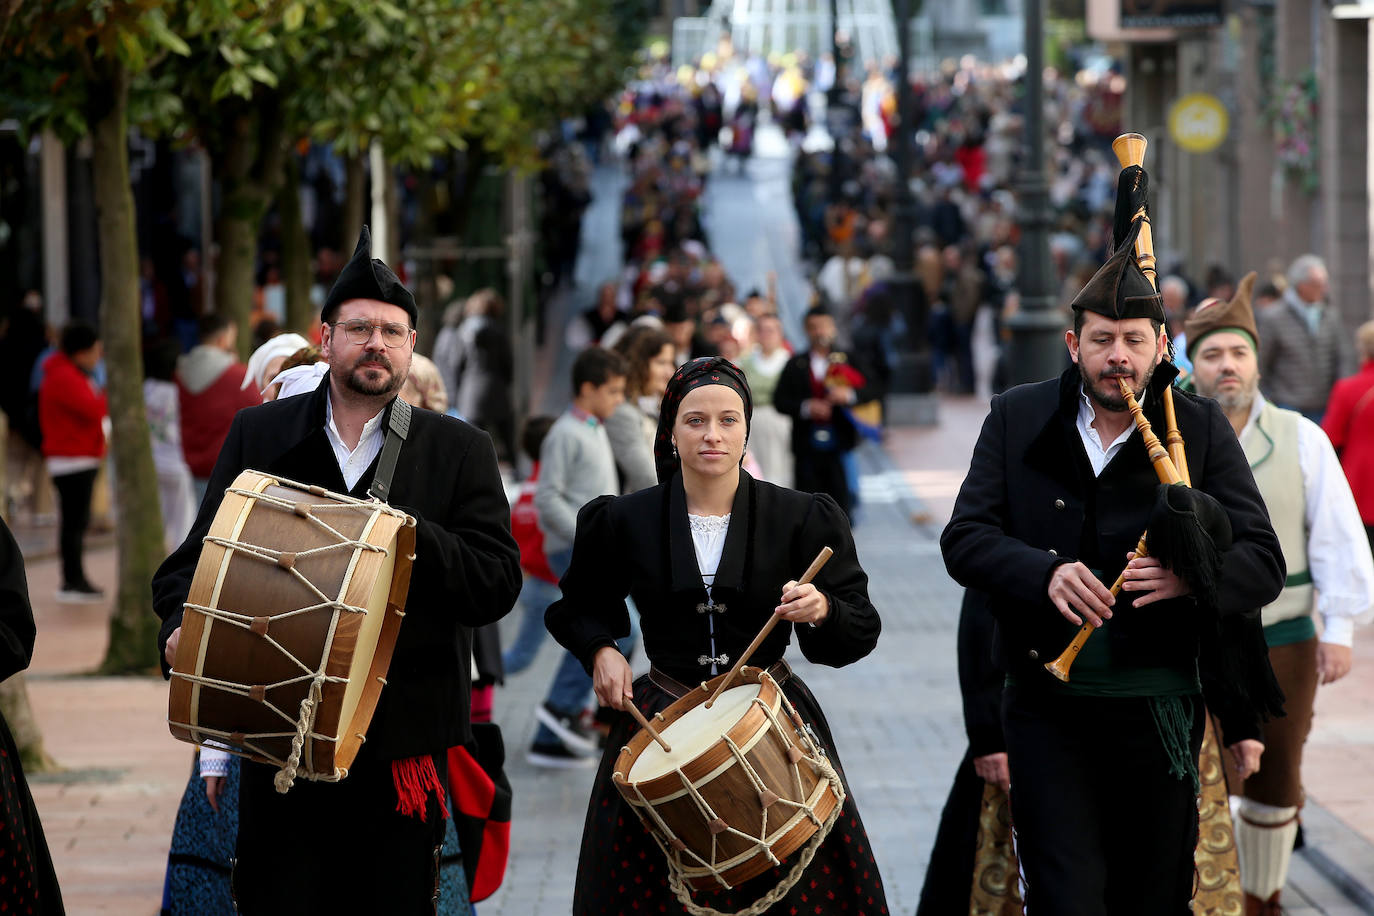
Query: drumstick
(644,724)
(815,567)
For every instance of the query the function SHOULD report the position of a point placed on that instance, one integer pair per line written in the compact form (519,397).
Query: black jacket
(1030,502)
(794,387)
(980,678)
(641,545)
(467,566)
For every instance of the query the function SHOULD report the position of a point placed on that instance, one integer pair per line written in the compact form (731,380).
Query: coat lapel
(1057,451)
(682,551)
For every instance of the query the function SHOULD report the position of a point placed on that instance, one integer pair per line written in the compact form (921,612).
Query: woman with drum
(709,556)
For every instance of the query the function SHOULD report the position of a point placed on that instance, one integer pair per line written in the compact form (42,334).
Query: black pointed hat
(366,277)
(1120,289)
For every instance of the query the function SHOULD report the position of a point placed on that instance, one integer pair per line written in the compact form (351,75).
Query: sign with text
(1198,122)
(1145,14)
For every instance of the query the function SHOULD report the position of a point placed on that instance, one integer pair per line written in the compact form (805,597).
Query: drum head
(697,730)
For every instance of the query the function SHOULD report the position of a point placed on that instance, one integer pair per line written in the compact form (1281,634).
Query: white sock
(1264,842)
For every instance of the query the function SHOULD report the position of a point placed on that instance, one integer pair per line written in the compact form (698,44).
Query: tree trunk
(426,292)
(295,251)
(236,227)
(250,171)
(18,714)
(355,201)
(138,520)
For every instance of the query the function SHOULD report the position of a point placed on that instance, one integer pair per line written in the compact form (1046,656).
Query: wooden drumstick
(644,724)
(815,567)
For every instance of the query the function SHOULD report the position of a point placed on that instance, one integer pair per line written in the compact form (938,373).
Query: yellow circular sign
(1198,122)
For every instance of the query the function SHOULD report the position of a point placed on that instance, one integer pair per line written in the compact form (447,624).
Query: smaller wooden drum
(744,787)
(290,624)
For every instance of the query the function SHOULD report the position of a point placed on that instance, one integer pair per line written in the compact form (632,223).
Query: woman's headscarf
(281,346)
(707,370)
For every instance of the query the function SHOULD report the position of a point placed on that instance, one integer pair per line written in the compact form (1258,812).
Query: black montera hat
(366,277)
(1120,289)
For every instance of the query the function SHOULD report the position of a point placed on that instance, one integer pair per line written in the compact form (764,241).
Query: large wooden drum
(744,787)
(290,624)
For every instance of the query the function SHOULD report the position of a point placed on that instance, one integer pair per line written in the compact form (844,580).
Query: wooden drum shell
(359,648)
(728,791)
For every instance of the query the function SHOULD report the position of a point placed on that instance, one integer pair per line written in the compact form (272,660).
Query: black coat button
(1053,552)
(1034,655)
(1059,503)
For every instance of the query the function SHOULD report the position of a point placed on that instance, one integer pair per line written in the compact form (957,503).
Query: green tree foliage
(68,65)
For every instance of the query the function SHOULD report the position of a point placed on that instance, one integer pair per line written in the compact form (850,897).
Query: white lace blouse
(708,537)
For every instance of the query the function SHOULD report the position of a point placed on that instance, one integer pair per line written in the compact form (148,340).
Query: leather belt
(779,671)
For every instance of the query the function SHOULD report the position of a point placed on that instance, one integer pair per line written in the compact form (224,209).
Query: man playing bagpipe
(1104,779)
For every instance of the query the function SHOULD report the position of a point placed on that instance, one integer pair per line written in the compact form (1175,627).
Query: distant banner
(1169,14)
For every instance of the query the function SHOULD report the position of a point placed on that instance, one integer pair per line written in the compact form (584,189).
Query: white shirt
(708,537)
(354,462)
(1098,455)
(1337,546)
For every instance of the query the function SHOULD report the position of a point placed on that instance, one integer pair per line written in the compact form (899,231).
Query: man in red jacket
(71,413)
(210,382)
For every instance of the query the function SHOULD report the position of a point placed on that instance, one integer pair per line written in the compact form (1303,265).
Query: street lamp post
(1037,349)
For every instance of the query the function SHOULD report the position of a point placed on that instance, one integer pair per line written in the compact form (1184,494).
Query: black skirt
(622,870)
(28,883)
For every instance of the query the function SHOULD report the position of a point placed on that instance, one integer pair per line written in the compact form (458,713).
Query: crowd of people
(642,522)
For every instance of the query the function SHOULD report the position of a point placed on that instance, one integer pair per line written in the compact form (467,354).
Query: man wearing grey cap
(300,852)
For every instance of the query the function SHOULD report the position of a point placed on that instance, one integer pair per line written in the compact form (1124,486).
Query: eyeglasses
(394,334)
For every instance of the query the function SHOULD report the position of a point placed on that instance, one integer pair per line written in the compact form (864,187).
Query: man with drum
(1103,767)
(1329,572)
(369,843)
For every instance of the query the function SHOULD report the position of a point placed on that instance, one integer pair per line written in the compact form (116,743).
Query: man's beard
(356,378)
(1236,399)
(1113,400)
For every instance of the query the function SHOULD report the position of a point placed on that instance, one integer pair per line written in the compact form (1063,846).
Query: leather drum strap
(398,427)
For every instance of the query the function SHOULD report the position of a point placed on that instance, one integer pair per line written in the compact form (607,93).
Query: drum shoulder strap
(396,431)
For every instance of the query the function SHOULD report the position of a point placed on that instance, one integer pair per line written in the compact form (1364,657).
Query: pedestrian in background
(770,438)
(1306,347)
(815,390)
(210,381)
(576,466)
(72,413)
(650,361)
(176,493)
(1349,424)
(484,369)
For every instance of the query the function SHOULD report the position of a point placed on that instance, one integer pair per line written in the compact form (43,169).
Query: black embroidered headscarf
(707,370)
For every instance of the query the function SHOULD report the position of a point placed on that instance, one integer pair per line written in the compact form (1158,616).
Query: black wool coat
(641,545)
(794,387)
(467,565)
(1030,502)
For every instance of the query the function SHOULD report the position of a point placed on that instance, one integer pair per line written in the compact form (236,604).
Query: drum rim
(743,732)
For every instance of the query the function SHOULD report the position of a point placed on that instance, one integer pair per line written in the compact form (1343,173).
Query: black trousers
(74,502)
(823,472)
(1102,828)
(949,876)
(334,849)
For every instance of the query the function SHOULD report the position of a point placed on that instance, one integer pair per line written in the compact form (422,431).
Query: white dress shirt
(1098,455)
(1337,546)
(354,462)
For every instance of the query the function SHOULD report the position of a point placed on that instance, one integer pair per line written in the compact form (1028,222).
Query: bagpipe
(1190,532)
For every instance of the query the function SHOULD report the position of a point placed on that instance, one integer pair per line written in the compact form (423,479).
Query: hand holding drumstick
(802,603)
